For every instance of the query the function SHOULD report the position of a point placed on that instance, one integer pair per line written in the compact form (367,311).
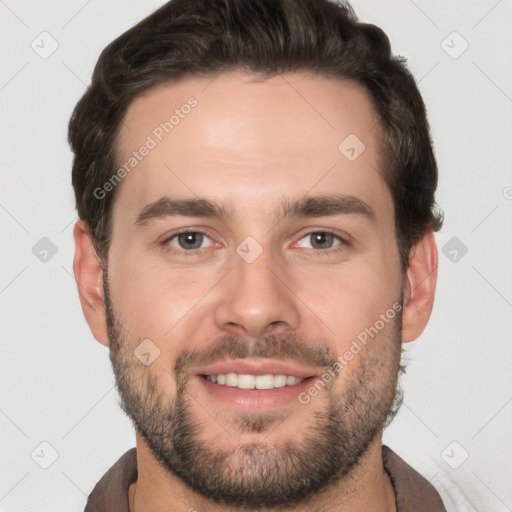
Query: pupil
(193,239)
(321,238)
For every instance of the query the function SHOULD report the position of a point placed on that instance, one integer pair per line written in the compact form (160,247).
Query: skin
(251,144)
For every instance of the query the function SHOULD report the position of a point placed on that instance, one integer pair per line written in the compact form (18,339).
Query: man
(255,183)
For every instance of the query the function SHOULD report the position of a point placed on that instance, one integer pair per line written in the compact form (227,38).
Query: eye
(188,241)
(322,240)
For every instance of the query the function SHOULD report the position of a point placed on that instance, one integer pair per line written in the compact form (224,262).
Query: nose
(256,299)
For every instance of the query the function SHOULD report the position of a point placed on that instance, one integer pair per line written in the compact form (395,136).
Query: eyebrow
(312,206)
(325,206)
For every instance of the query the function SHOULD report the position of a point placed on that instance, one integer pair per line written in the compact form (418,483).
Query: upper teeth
(243,381)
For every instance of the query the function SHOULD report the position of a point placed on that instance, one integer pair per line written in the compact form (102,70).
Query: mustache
(274,346)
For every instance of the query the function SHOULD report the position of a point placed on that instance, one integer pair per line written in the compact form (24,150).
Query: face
(254,286)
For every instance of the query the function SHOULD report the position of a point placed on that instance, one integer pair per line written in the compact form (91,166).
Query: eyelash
(165,243)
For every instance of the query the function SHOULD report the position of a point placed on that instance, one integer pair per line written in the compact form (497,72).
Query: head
(255,184)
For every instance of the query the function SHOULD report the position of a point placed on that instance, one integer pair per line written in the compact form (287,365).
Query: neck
(367,487)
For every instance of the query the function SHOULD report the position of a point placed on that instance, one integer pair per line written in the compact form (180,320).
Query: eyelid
(344,239)
(168,237)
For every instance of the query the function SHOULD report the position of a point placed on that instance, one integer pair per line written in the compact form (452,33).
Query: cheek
(349,298)
(155,298)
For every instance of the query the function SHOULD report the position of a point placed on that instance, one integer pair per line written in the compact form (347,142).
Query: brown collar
(412,491)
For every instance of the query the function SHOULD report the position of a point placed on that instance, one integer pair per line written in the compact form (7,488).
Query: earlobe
(419,287)
(88,272)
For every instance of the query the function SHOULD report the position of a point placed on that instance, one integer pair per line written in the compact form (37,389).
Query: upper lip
(256,367)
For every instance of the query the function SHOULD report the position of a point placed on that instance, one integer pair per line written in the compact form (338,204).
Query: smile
(247,381)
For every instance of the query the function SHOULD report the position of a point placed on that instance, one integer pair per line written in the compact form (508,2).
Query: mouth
(247,381)
(254,386)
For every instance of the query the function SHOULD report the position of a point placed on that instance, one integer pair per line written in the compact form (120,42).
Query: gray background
(57,383)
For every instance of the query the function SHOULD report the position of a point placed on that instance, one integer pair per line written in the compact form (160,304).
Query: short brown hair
(201,38)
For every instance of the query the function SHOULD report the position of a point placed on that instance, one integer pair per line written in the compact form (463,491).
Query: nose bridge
(256,296)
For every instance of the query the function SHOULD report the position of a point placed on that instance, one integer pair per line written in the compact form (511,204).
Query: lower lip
(255,399)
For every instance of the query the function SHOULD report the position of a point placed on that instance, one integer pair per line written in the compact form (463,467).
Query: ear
(419,287)
(89,279)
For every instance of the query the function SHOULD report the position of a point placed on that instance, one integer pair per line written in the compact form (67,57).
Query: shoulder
(111,492)
(413,491)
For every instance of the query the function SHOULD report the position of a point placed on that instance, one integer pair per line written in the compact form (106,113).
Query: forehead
(249,142)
